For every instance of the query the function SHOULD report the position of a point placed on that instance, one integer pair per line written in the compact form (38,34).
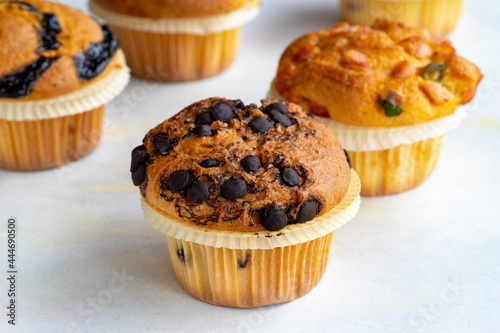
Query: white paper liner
(194,26)
(362,138)
(88,98)
(265,240)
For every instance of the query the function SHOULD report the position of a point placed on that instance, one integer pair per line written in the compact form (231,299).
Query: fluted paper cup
(247,269)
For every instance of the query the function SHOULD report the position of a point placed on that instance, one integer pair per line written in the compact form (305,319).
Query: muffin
(58,69)
(388,92)
(247,196)
(439,17)
(176,40)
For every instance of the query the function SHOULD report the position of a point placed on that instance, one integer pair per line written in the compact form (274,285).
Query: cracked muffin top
(230,166)
(175,8)
(49,49)
(388,74)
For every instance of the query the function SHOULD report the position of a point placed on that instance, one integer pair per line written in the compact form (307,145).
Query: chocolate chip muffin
(58,69)
(237,189)
(226,165)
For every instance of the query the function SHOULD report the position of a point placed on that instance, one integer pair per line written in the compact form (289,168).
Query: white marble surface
(424,261)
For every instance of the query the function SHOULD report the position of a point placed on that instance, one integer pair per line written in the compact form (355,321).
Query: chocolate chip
(139,157)
(179,180)
(280,118)
(274,218)
(180,255)
(348,159)
(202,130)
(250,163)
(204,118)
(162,143)
(307,212)
(223,112)
(139,175)
(210,163)
(290,177)
(242,263)
(198,192)
(259,124)
(240,105)
(280,107)
(234,188)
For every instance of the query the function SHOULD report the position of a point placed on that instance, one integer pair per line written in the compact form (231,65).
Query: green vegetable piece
(391,110)
(433,71)
(392,104)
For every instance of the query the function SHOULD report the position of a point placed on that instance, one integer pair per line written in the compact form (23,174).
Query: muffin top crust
(230,166)
(175,8)
(389,74)
(49,50)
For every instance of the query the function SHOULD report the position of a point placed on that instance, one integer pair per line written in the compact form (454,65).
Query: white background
(423,261)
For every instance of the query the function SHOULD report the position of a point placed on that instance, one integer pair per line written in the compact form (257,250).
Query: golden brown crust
(18,35)
(307,146)
(174,8)
(346,71)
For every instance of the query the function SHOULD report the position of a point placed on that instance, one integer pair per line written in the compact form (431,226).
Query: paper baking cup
(178,49)
(391,160)
(363,138)
(193,26)
(397,169)
(47,133)
(437,16)
(247,269)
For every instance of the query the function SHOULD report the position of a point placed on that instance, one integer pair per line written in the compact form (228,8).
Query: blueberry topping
(202,130)
(139,157)
(234,188)
(198,192)
(223,112)
(47,42)
(204,118)
(280,107)
(280,118)
(50,24)
(250,163)
(210,163)
(92,62)
(259,124)
(274,218)
(139,175)
(21,82)
(290,177)
(179,180)
(162,143)
(307,212)
(348,159)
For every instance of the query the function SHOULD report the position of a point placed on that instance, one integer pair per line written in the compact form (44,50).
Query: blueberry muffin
(388,92)
(177,40)
(262,175)
(58,69)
